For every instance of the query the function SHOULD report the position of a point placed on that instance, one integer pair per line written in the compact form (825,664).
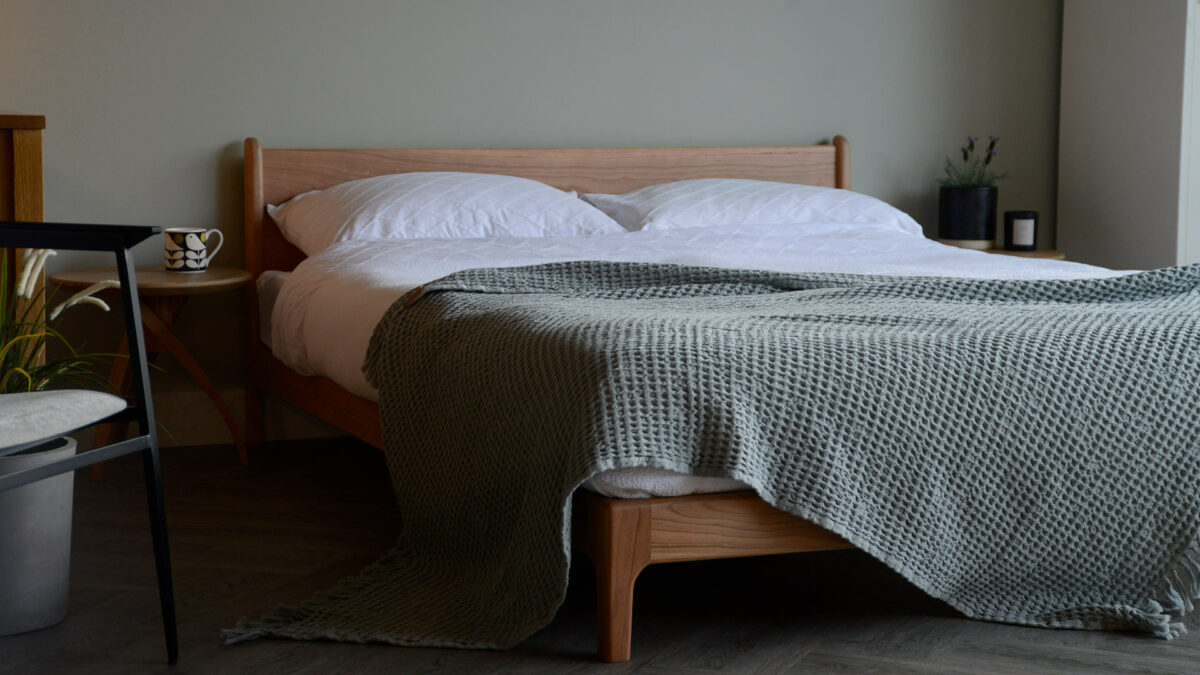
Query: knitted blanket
(1027,451)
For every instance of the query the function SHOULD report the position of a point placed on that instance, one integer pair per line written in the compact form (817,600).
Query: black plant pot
(967,216)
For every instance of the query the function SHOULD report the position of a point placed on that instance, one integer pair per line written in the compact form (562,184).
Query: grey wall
(147,100)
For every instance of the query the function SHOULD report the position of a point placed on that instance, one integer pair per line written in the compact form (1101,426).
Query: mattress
(319,319)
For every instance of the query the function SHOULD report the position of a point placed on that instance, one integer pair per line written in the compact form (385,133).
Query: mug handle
(219,243)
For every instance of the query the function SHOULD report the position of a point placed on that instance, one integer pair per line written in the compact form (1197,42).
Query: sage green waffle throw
(1027,451)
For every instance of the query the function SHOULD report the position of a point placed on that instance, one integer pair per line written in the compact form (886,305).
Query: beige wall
(1123,185)
(147,100)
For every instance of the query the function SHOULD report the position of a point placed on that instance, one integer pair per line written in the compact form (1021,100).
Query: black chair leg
(162,554)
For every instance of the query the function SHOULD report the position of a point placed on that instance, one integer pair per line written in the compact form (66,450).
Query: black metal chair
(85,410)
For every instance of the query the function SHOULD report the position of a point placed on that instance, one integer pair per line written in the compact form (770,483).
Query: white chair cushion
(38,415)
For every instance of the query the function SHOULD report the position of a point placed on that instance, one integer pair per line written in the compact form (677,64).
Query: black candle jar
(1020,230)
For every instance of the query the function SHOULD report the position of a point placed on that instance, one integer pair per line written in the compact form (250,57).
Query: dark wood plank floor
(306,515)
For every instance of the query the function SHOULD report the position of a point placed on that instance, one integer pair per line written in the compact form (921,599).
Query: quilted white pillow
(730,201)
(439,204)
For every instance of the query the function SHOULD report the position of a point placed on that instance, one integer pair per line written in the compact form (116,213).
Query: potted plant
(35,519)
(967,198)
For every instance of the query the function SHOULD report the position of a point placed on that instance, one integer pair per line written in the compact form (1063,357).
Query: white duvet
(327,308)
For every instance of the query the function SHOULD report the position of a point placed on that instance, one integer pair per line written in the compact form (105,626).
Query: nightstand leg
(165,339)
(158,316)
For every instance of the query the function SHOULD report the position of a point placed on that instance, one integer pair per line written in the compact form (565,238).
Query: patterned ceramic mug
(186,248)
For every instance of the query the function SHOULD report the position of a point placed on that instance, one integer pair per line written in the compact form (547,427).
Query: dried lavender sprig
(974,171)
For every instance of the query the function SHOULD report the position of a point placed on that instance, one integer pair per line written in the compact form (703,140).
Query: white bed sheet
(325,311)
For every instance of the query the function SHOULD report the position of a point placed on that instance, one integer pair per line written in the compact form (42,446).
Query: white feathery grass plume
(93,300)
(29,260)
(31,268)
(86,296)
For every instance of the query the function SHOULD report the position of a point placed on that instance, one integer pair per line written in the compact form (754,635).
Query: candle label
(1022,232)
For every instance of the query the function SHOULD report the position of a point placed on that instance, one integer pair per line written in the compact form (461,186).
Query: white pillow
(730,201)
(439,204)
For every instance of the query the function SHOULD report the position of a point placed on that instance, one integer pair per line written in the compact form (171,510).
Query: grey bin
(35,543)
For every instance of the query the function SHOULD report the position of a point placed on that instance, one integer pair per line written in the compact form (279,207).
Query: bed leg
(619,543)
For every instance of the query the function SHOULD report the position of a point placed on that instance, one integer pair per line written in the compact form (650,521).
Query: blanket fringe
(354,602)
(1175,597)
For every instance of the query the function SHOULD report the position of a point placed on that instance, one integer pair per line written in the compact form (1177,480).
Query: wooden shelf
(12,120)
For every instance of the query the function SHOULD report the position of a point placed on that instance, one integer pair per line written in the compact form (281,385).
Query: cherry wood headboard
(273,176)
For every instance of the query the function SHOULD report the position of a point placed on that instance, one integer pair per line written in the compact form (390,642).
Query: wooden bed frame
(621,536)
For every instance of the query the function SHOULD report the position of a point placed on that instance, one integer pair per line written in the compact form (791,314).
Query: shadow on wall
(228,200)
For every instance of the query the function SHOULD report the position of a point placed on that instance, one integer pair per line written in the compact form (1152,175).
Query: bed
(621,536)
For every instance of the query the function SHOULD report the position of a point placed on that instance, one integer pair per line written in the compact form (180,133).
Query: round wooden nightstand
(1042,253)
(162,295)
